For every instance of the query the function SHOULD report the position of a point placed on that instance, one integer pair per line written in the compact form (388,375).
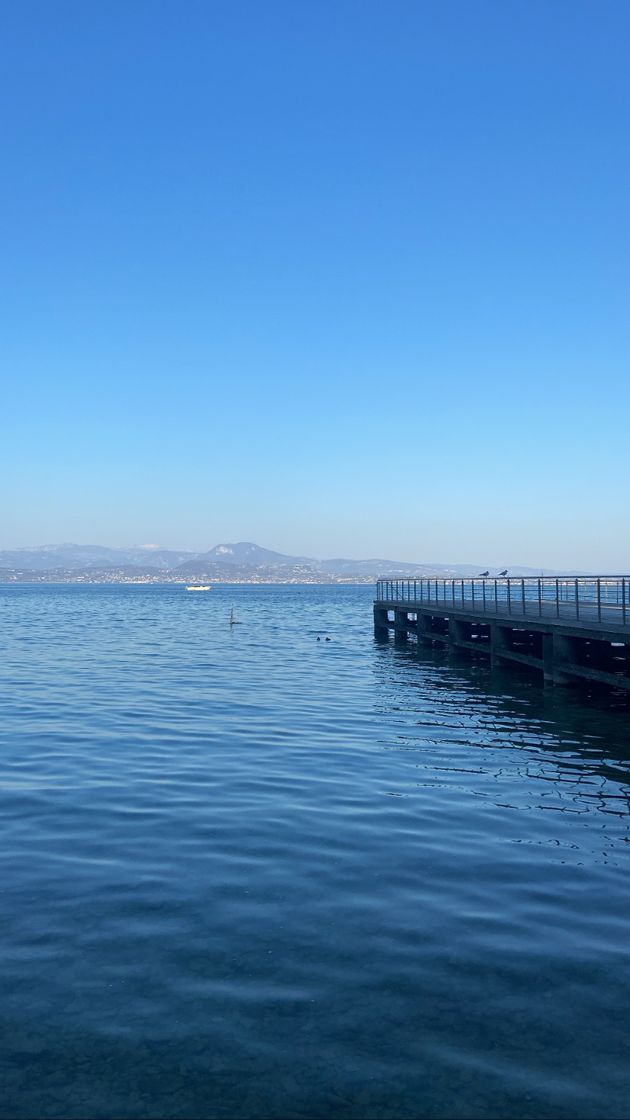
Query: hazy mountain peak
(246,552)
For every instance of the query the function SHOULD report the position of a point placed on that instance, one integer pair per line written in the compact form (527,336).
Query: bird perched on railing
(504,572)
(484,573)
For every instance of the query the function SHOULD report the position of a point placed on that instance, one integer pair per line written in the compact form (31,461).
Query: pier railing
(604,599)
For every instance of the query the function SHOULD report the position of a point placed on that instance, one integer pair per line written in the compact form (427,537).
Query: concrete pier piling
(569,629)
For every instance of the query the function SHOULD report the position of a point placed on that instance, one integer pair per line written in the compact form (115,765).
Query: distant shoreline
(184,583)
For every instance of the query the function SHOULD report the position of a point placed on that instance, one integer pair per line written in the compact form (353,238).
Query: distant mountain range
(234,563)
(77,556)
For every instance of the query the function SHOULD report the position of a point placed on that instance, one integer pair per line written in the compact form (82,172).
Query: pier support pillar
(559,652)
(401,626)
(381,624)
(424,628)
(500,640)
(459,631)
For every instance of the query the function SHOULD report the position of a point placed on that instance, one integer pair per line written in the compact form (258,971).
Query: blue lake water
(246,874)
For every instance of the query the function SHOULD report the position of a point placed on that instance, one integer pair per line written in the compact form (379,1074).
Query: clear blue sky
(342,278)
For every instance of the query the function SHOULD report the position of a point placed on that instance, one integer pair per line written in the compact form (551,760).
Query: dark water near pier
(245,873)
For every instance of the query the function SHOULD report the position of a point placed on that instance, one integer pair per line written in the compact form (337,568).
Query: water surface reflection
(249,874)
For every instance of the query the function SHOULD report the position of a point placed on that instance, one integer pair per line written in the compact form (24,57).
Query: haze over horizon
(461,562)
(350,280)
(387,550)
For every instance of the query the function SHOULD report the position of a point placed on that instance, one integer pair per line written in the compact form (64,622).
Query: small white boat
(199,587)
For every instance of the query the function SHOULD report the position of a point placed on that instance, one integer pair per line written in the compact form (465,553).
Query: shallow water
(246,873)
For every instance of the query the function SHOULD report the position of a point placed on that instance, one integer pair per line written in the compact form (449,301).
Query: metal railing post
(509,596)
(557,600)
(496,597)
(623,600)
(523,595)
(577,600)
(599,600)
(483,593)
(539,598)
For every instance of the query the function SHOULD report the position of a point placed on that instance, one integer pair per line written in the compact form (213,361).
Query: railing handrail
(602,598)
(448,579)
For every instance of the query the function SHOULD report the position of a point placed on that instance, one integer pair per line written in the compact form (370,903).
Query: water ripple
(247,874)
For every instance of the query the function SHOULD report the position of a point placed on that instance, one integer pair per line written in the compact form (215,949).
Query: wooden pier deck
(570,629)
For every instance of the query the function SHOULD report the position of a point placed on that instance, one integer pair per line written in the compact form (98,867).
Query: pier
(569,629)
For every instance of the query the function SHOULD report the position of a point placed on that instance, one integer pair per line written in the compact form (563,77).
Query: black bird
(484,573)
(504,572)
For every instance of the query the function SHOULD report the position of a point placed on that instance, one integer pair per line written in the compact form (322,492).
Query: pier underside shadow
(562,650)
